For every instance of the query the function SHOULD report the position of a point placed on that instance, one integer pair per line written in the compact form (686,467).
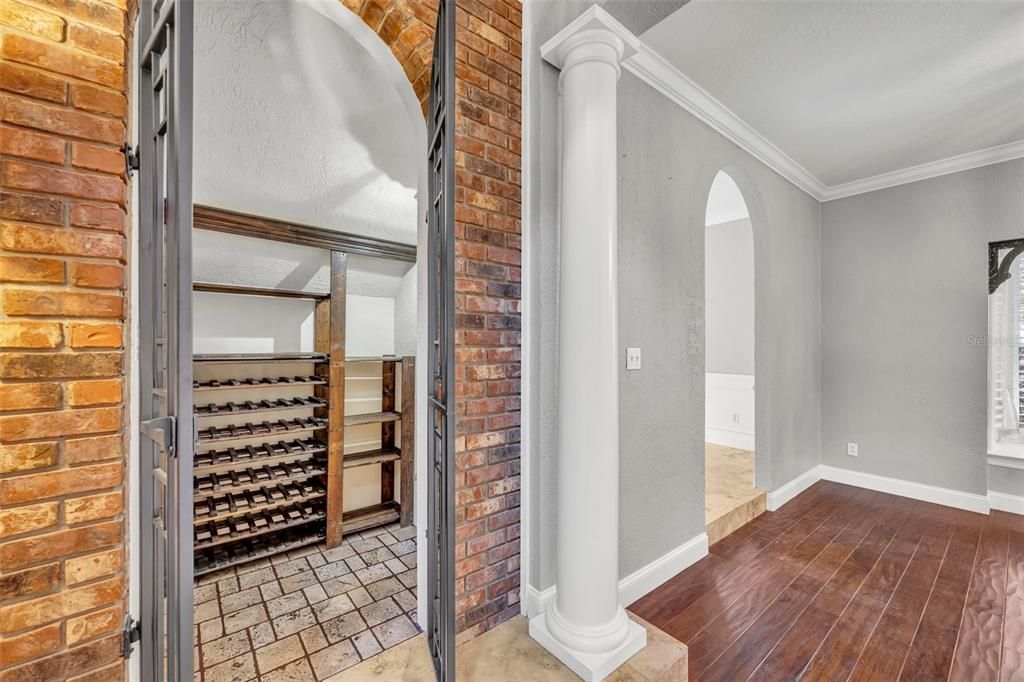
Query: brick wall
(407,28)
(62,253)
(488,276)
(488,291)
(488,115)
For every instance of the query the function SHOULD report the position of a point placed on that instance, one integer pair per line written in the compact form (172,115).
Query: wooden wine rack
(269,471)
(260,483)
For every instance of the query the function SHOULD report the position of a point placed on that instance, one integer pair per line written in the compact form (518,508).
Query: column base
(591,667)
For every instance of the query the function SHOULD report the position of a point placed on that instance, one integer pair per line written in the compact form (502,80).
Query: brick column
(488,54)
(62,308)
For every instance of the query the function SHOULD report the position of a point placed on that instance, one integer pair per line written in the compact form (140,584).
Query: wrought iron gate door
(441,351)
(165,338)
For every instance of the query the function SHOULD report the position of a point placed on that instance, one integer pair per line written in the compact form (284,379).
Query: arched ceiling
(295,120)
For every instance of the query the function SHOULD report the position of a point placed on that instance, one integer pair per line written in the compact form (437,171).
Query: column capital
(599,33)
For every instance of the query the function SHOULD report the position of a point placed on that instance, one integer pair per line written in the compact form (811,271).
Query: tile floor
(308,614)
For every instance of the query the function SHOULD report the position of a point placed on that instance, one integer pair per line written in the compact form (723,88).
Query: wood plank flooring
(843,583)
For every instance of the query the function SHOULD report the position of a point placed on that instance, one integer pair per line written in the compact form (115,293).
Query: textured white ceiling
(295,120)
(853,89)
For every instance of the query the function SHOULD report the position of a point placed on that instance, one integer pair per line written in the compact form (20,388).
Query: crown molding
(932,169)
(653,69)
(656,71)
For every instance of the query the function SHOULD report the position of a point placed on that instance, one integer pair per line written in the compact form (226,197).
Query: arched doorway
(731,498)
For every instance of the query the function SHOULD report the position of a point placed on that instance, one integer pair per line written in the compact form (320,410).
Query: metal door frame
(166,424)
(441,349)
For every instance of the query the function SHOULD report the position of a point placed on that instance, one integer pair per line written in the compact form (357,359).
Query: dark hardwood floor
(843,583)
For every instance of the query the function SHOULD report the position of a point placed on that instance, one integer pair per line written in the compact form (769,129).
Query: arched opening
(731,498)
(305,117)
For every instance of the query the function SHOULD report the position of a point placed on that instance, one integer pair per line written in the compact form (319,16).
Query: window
(1006,349)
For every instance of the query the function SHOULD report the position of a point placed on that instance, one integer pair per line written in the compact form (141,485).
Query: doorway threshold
(731,499)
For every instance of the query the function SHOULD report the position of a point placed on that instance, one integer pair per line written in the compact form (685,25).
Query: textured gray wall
(904,274)
(729,293)
(1006,481)
(668,160)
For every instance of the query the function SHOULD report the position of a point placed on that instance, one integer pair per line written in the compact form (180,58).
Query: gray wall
(1005,480)
(668,160)
(729,296)
(904,274)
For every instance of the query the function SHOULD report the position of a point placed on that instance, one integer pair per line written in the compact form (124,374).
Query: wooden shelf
(250,406)
(214,288)
(269,382)
(253,478)
(232,432)
(256,455)
(235,358)
(397,411)
(359,459)
(216,533)
(244,551)
(370,517)
(373,358)
(372,418)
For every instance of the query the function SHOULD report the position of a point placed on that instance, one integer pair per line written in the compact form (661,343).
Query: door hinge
(131,160)
(131,633)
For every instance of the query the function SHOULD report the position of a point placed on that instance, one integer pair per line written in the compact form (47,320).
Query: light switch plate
(632,358)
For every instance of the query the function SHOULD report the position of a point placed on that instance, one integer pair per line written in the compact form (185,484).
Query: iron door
(167,436)
(441,351)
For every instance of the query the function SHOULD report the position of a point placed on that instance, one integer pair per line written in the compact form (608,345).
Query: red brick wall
(488,85)
(488,275)
(407,28)
(62,254)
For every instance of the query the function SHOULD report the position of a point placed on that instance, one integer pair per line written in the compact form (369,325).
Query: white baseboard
(730,439)
(637,583)
(1006,502)
(916,491)
(894,486)
(780,496)
(646,579)
(536,601)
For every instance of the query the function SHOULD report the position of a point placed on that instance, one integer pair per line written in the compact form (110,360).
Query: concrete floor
(731,500)
(508,654)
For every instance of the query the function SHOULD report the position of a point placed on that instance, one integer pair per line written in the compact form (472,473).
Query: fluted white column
(585,626)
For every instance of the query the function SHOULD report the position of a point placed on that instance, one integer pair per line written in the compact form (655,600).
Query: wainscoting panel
(729,410)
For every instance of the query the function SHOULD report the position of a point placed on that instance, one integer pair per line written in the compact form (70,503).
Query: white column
(586,627)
